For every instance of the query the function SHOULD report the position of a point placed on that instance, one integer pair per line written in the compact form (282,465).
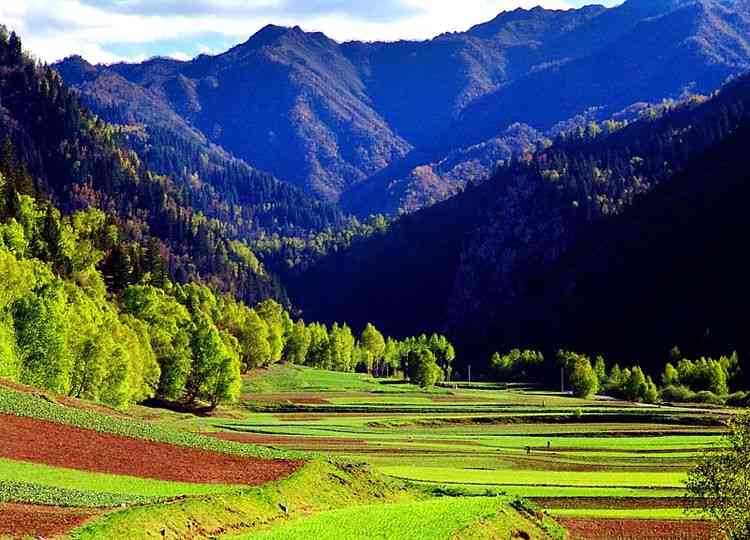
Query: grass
(318,486)
(33,493)
(428,520)
(289,378)
(444,475)
(108,484)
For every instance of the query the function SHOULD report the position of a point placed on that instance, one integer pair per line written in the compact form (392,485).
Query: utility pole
(562,379)
(469,372)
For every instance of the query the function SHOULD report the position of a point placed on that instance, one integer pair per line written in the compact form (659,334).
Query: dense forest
(533,257)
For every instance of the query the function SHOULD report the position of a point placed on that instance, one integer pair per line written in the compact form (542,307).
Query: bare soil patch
(298,399)
(286,440)
(59,445)
(636,529)
(614,503)
(25,520)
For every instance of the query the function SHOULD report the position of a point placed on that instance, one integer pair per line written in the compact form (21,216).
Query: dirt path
(59,445)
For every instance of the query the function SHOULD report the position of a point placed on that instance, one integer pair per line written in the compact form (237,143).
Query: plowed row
(23,520)
(59,445)
(635,529)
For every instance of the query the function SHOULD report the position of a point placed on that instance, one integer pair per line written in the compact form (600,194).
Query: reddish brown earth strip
(615,503)
(24,520)
(300,441)
(300,399)
(59,445)
(635,529)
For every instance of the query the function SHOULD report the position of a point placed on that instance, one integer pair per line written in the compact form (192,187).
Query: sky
(107,31)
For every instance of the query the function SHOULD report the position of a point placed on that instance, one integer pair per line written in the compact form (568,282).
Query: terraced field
(71,470)
(602,468)
(600,461)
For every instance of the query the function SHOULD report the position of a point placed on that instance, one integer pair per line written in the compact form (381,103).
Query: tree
(297,344)
(720,483)
(423,369)
(274,316)
(372,341)
(583,379)
(215,370)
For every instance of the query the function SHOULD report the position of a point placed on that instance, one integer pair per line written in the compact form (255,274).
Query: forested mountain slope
(390,126)
(55,150)
(497,265)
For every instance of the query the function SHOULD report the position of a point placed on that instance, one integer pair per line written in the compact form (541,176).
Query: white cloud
(53,29)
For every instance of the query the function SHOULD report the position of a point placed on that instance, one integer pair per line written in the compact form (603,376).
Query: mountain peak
(536,24)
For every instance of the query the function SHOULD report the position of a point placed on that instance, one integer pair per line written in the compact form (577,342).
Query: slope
(480,265)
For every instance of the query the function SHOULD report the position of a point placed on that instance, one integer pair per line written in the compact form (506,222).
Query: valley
(485,284)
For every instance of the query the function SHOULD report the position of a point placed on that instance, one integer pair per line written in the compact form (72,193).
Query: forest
(121,293)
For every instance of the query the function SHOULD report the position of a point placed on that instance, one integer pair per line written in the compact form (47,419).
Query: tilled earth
(60,445)
(25,520)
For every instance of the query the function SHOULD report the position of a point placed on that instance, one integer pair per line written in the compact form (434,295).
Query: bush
(679,393)
(709,398)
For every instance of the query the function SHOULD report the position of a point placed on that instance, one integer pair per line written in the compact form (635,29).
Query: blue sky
(133,30)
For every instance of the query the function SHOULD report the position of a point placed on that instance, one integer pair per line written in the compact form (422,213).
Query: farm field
(600,460)
(263,464)
(72,470)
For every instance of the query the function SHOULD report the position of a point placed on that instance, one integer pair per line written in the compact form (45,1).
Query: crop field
(598,465)
(584,461)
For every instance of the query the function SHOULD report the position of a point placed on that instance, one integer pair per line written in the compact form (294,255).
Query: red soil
(286,440)
(23,520)
(636,529)
(59,445)
(300,399)
(618,503)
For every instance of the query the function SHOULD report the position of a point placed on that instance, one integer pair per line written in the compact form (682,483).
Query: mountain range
(389,127)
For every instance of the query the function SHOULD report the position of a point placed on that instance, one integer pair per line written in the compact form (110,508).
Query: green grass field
(428,520)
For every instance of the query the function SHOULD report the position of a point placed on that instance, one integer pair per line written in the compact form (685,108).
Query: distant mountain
(383,126)
(585,237)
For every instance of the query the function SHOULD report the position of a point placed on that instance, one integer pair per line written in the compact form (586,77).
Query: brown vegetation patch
(636,529)
(24,520)
(614,503)
(300,441)
(298,399)
(59,445)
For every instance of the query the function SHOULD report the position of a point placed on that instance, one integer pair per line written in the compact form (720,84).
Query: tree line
(705,380)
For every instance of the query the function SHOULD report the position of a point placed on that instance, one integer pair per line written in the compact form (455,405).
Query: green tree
(720,483)
(583,380)
(274,316)
(372,341)
(297,344)
(423,369)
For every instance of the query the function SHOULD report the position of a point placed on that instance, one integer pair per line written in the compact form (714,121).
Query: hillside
(373,124)
(500,265)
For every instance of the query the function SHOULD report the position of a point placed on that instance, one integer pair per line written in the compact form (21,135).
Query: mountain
(389,126)
(560,244)
(163,226)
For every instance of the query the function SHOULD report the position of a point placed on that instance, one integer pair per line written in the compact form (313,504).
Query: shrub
(679,393)
(704,396)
